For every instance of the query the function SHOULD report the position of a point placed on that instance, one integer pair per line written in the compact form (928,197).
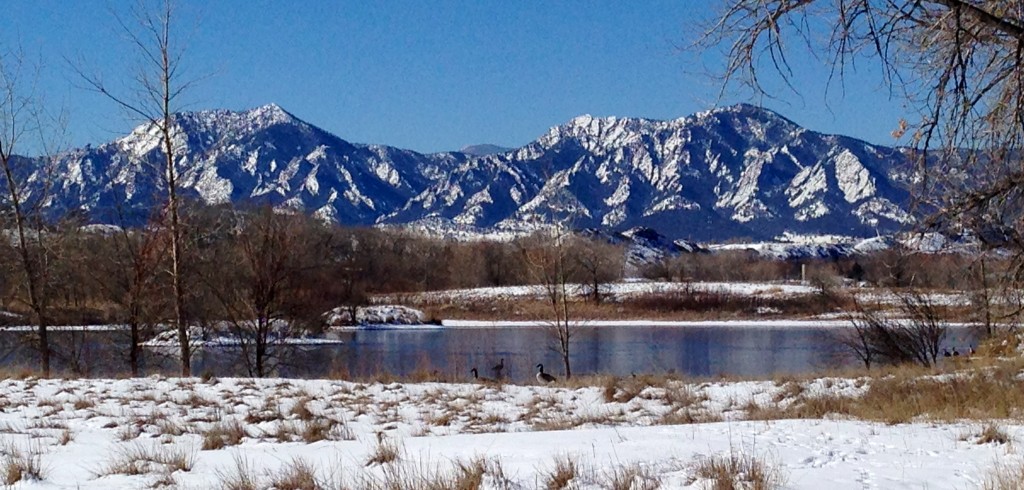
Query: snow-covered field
(198,434)
(257,433)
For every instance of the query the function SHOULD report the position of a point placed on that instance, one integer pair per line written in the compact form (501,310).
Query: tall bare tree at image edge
(21,118)
(955,64)
(158,89)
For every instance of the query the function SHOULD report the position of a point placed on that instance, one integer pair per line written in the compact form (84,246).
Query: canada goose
(542,376)
(476,377)
(498,367)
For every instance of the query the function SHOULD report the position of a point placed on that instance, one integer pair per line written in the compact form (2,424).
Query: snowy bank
(187,433)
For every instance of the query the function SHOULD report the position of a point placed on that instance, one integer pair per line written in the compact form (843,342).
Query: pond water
(450,353)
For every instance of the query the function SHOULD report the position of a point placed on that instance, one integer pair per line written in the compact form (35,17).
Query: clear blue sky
(427,75)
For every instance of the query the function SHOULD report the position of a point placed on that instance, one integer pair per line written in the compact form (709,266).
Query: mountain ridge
(724,173)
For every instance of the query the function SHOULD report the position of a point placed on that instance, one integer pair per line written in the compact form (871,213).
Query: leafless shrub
(915,338)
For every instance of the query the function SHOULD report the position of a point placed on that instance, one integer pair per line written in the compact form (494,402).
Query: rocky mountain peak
(737,171)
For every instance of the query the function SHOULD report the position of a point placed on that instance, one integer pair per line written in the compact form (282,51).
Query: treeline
(264,263)
(260,274)
(892,268)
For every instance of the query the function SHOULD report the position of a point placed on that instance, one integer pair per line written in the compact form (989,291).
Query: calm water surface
(450,353)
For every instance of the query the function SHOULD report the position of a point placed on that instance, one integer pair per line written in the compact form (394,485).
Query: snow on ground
(375,315)
(622,290)
(196,434)
(617,290)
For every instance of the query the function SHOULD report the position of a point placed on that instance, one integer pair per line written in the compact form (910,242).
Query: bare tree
(22,120)
(352,260)
(915,338)
(550,262)
(273,258)
(956,63)
(124,269)
(154,100)
(598,263)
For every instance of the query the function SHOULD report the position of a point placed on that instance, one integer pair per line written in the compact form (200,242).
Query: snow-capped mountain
(264,155)
(738,171)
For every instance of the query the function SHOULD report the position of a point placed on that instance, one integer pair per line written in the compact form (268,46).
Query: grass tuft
(632,477)
(296,475)
(223,434)
(386,451)
(737,471)
(565,470)
(242,477)
(18,465)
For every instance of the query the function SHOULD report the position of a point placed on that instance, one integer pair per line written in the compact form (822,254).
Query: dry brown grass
(17,464)
(738,471)
(243,476)
(301,409)
(223,434)
(990,433)
(686,416)
(632,477)
(386,451)
(141,459)
(1004,477)
(682,305)
(83,403)
(296,475)
(470,475)
(895,395)
(565,471)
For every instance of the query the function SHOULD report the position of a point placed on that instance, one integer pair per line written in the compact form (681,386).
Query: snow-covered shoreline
(124,433)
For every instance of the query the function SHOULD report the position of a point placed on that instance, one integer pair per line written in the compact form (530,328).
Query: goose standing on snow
(476,377)
(542,376)
(498,368)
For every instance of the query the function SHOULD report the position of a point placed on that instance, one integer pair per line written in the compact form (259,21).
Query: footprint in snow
(866,479)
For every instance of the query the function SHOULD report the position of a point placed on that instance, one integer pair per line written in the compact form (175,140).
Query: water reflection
(450,353)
